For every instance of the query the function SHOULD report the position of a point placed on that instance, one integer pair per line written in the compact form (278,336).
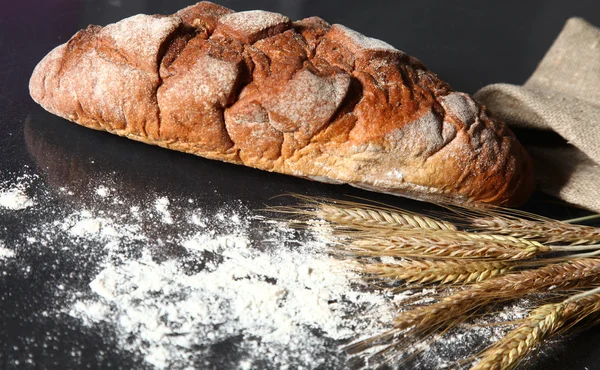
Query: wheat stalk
(540,324)
(443,271)
(567,275)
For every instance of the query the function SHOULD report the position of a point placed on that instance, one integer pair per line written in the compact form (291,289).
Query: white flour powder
(174,284)
(14,198)
(275,300)
(181,286)
(5,253)
(162,206)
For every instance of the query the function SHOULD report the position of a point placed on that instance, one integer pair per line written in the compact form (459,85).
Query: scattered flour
(214,288)
(162,207)
(14,198)
(275,300)
(174,294)
(102,191)
(5,253)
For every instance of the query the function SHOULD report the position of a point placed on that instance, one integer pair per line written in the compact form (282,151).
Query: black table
(469,44)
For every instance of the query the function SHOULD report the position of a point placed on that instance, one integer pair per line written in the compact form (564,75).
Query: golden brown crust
(301,98)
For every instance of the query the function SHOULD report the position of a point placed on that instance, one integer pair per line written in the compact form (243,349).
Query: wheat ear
(507,353)
(549,231)
(441,271)
(342,212)
(540,324)
(423,245)
(525,225)
(378,218)
(567,275)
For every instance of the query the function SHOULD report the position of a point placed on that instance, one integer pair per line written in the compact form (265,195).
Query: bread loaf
(300,98)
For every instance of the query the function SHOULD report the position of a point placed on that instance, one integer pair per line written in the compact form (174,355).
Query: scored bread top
(302,98)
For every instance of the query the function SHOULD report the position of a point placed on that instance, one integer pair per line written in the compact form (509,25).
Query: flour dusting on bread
(361,41)
(301,98)
(251,24)
(141,37)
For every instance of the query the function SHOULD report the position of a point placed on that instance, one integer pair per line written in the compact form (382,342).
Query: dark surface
(468,43)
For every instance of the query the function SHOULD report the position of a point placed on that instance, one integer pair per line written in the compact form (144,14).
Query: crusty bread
(301,98)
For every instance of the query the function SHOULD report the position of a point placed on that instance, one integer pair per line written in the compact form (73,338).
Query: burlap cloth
(562,95)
